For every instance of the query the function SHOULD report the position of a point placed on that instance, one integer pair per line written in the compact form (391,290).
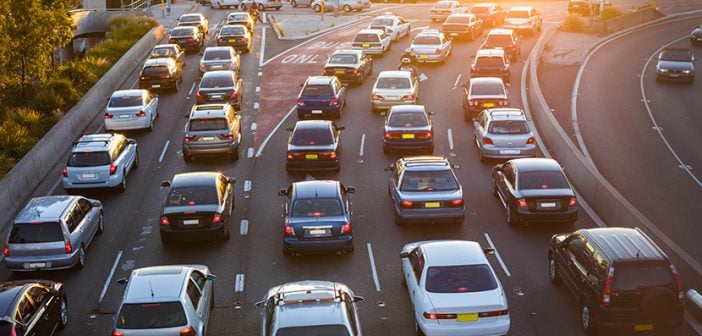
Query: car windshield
(426,39)
(479,10)
(233,31)
(218,54)
(126,101)
(499,39)
(153,70)
(457,19)
(239,17)
(518,15)
(317,137)
(638,275)
(314,330)
(542,180)
(676,55)
(460,279)
(213,82)
(381,22)
(163,52)
(433,180)
(189,18)
(443,5)
(180,32)
(89,159)
(312,90)
(207,124)
(407,119)
(316,207)
(508,127)
(43,232)
(489,61)
(343,59)
(151,315)
(194,195)
(393,83)
(487,89)
(366,38)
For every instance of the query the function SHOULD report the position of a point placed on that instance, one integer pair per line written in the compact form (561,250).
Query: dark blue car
(316,217)
(321,97)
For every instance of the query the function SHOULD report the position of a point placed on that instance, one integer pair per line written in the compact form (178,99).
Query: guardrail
(694,306)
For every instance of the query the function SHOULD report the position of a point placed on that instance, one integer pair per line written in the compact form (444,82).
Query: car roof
(408,108)
(165,61)
(152,284)
(166,45)
(193,14)
(45,208)
(506,113)
(429,31)
(501,31)
(319,80)
(347,51)
(194,179)
(623,244)
(521,8)
(370,31)
(313,124)
(130,92)
(536,164)
(462,15)
(316,189)
(208,111)
(395,74)
(490,52)
(453,252)
(425,162)
(185,28)
(485,80)
(308,302)
(227,48)
(92,142)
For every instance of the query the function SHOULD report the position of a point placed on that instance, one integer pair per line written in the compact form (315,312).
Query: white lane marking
(253,126)
(373,270)
(249,152)
(256,106)
(190,93)
(53,188)
(262,51)
(239,283)
(163,152)
(270,135)
(247,185)
(450,139)
(258,89)
(497,255)
(109,277)
(263,17)
(363,143)
(244,227)
(260,74)
(455,84)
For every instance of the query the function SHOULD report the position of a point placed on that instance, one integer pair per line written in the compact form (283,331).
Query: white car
(371,41)
(524,20)
(345,5)
(225,3)
(430,45)
(131,109)
(442,9)
(453,289)
(393,25)
(394,88)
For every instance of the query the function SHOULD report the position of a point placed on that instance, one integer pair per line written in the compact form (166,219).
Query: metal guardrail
(694,306)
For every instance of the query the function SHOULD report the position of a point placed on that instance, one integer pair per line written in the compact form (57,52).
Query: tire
(404,281)
(164,239)
(317,8)
(187,159)
(176,86)
(123,186)
(293,3)
(589,325)
(399,220)
(494,190)
(511,221)
(101,224)
(151,125)
(235,155)
(225,234)
(347,8)
(553,271)
(135,165)
(63,312)
(81,258)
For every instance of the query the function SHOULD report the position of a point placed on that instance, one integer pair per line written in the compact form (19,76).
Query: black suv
(161,73)
(621,279)
(32,307)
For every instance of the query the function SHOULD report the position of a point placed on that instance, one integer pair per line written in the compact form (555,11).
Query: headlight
(686,71)
(662,70)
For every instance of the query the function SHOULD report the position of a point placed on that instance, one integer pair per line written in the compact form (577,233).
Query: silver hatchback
(100,161)
(394,88)
(212,129)
(219,58)
(52,232)
(131,109)
(503,133)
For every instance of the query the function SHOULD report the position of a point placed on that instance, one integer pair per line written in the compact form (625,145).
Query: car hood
(675,65)
(318,221)
(476,302)
(547,192)
(175,210)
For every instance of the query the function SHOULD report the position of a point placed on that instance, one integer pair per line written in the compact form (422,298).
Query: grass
(575,23)
(611,12)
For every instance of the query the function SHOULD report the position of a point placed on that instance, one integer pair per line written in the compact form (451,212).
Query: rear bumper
(27,264)
(627,320)
(112,181)
(157,84)
(506,152)
(498,328)
(430,58)
(190,234)
(343,243)
(317,112)
(370,51)
(310,165)
(408,145)
(226,148)
(525,216)
(116,125)
(385,105)
(675,76)
(430,215)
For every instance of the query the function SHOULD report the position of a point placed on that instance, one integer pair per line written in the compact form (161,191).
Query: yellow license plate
(311,156)
(467,317)
(435,205)
(423,56)
(643,327)
(366,45)
(408,136)
(232,41)
(341,72)
(488,104)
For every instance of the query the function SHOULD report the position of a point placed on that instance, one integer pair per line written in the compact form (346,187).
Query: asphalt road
(254,255)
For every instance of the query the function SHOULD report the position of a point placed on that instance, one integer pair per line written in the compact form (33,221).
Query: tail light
(457,202)
(511,45)
(473,68)
(65,171)
(434,316)
(68,247)
(437,51)
(164,221)
(681,294)
(487,141)
(6,250)
(142,78)
(390,31)
(198,95)
(332,155)
(108,116)
(289,156)
(171,41)
(192,39)
(289,231)
(113,168)
(114,333)
(229,137)
(573,202)
(189,138)
(531,140)
(522,203)
(425,135)
(141,114)
(300,102)
(217,218)
(189,331)
(494,313)
(505,69)
(166,75)
(346,229)
(221,40)
(234,95)
(334,101)
(377,97)
(607,293)
(406,204)
(407,97)
(503,103)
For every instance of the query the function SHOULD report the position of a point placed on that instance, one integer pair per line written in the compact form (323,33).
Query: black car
(505,39)
(236,36)
(161,74)
(620,278)
(173,51)
(491,63)
(314,145)
(220,86)
(241,18)
(491,14)
(676,64)
(187,37)
(408,127)
(197,204)
(534,191)
(349,66)
(317,217)
(696,36)
(32,307)
(583,7)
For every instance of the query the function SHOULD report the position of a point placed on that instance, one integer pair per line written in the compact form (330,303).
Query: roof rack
(101,138)
(308,296)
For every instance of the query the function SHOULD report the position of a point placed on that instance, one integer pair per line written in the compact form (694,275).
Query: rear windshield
(318,330)
(189,18)
(316,207)
(426,40)
(381,22)
(89,159)
(438,180)
(305,137)
(213,55)
(489,61)
(126,101)
(192,196)
(393,83)
(407,119)
(217,82)
(211,124)
(27,233)
(542,180)
(508,127)
(317,91)
(366,38)
(479,10)
(163,52)
(343,59)
(151,315)
(460,279)
(499,39)
(443,5)
(639,275)
(183,32)
(233,31)
(518,15)
(487,89)
(457,19)
(154,70)
(238,17)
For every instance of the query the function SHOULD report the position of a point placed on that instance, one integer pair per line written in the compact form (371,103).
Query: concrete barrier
(19,184)
(627,20)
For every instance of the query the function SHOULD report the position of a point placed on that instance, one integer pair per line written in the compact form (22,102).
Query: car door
(91,218)
(366,64)
(504,181)
(342,91)
(394,185)
(411,271)
(446,45)
(205,286)
(403,27)
(47,310)
(235,124)
(573,271)
(196,305)
(479,128)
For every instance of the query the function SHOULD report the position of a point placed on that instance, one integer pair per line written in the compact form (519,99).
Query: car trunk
(547,200)
(89,167)
(467,306)
(216,94)
(455,28)
(311,153)
(426,49)
(36,240)
(316,228)
(190,217)
(509,140)
(124,113)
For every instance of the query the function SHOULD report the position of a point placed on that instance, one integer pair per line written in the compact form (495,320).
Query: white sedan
(453,289)
(393,25)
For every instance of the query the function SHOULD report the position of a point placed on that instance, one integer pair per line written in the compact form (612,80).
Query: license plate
(467,317)
(311,156)
(454,34)
(156,86)
(510,151)
(217,67)
(643,327)
(216,97)
(316,111)
(488,104)
(341,72)
(408,136)
(191,222)
(317,232)
(36,265)
(674,75)
(365,45)
(547,205)
(432,205)
(87,175)
(423,56)
(208,138)
(232,41)
(124,116)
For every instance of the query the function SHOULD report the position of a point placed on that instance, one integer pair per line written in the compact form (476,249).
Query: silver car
(394,88)
(100,161)
(212,129)
(131,109)
(430,45)
(425,189)
(503,133)
(166,300)
(52,232)
(345,5)
(371,41)
(219,58)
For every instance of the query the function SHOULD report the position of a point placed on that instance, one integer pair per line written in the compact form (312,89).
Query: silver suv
(166,300)
(503,133)
(212,129)
(100,161)
(310,307)
(52,232)
(219,58)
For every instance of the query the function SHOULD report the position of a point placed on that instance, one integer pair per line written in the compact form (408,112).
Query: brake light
(522,203)
(503,103)
(437,51)
(189,138)
(108,116)
(332,155)
(114,333)
(457,202)
(346,229)
(217,218)
(198,95)
(473,68)
(142,78)
(487,141)
(408,97)
(113,168)
(681,294)
(494,313)
(334,101)
(426,135)
(289,231)
(234,95)
(227,137)
(434,316)
(506,69)
(68,247)
(189,331)
(65,171)
(531,140)
(300,102)
(171,41)
(377,97)
(141,114)
(6,250)
(406,204)
(607,293)
(192,39)
(164,221)
(573,202)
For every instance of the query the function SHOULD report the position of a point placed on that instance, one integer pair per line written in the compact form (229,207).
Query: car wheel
(494,189)
(176,86)
(81,257)
(511,221)
(347,8)
(553,271)
(101,224)
(317,8)
(164,239)
(123,186)
(63,312)
(404,281)
(235,155)
(589,325)
(187,158)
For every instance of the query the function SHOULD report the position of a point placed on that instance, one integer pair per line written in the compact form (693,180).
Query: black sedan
(197,204)
(317,217)
(314,145)
(534,191)
(220,86)
(408,127)
(696,36)
(188,38)
(235,36)
(349,66)
(32,307)
(676,64)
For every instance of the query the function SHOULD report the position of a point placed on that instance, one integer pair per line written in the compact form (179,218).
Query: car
(197,204)
(310,307)
(262,4)
(166,300)
(314,145)
(621,279)
(505,39)
(491,14)
(33,307)
(161,74)
(371,42)
(131,109)
(503,133)
(321,97)
(212,129)
(677,64)
(349,65)
(431,45)
(462,26)
(491,63)
(173,51)
(220,86)
(453,289)
(219,58)
(188,38)
(236,36)
(481,93)
(317,217)
(345,5)
(241,18)
(298,3)
(394,25)
(195,20)
(52,233)
(425,189)
(442,9)
(534,191)
(394,88)
(583,7)
(696,36)
(524,19)
(100,161)
(219,4)
(408,127)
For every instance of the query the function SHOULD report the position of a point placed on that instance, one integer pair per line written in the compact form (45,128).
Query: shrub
(15,139)
(611,12)
(47,101)
(26,117)
(6,163)
(575,23)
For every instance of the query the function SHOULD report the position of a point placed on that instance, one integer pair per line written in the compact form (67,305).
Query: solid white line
(239,283)
(249,152)
(192,88)
(247,185)
(270,135)
(244,228)
(373,270)
(263,17)
(53,188)
(253,126)
(497,255)
(363,143)
(163,152)
(262,51)
(109,277)
(458,78)
(256,105)
(260,74)
(450,139)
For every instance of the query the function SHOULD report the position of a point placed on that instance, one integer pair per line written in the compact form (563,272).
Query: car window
(182,32)
(221,188)
(439,180)
(487,89)
(316,207)
(366,38)
(89,159)
(75,219)
(317,91)
(427,39)
(207,124)
(119,147)
(637,275)
(194,195)
(194,293)
(305,137)
(407,119)
(416,260)
(542,180)
(393,83)
(233,31)
(126,101)
(489,61)
(162,52)
(509,127)
(189,18)
(239,17)
(44,232)
(85,205)
(457,19)
(499,39)
(480,10)
(350,312)
(38,294)
(518,14)
(676,55)
(443,5)
(315,330)
(381,22)
(217,54)
(217,82)
(25,310)
(154,70)
(343,59)
(151,315)
(460,279)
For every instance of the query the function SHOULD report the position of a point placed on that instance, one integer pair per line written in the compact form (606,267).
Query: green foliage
(575,23)
(16,140)
(611,12)
(6,163)
(27,118)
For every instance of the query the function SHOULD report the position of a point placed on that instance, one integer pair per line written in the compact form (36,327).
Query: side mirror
(489,250)
(96,204)
(404,254)
(53,292)
(358,299)
(387,168)
(350,190)
(282,192)
(200,54)
(131,141)
(165,184)
(260,304)
(122,281)
(303,84)
(108,98)
(289,129)
(211,277)
(431,113)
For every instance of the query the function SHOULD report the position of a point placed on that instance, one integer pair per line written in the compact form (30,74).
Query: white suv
(524,19)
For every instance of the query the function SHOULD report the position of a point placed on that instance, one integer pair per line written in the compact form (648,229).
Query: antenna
(151,289)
